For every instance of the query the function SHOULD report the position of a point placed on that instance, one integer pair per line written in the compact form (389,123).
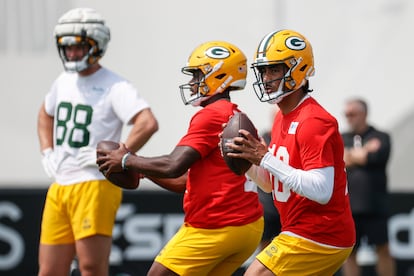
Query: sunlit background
(361,48)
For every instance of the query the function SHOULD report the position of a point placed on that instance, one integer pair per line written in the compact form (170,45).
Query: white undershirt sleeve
(315,184)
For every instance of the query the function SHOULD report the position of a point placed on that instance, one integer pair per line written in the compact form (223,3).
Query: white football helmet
(82,26)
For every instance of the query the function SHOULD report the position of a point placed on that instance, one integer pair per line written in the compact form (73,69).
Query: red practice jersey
(215,196)
(308,138)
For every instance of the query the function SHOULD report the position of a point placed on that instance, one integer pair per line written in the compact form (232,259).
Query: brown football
(237,121)
(126,179)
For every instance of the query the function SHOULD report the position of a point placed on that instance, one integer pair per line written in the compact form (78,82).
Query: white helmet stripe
(261,50)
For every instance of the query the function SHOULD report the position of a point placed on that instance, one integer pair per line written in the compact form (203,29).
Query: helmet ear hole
(303,68)
(220,76)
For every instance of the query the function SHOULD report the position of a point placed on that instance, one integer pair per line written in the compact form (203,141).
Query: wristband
(124,159)
(47,151)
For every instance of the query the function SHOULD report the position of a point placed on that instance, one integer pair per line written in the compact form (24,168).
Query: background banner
(145,222)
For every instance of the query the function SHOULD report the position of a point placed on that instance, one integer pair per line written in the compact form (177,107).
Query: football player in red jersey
(303,165)
(223,221)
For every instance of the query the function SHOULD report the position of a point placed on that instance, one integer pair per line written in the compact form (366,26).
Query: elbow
(152,126)
(172,170)
(323,200)
(177,171)
(145,122)
(155,125)
(322,185)
(323,196)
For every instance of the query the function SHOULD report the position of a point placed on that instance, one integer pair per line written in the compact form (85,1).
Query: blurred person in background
(366,155)
(87,103)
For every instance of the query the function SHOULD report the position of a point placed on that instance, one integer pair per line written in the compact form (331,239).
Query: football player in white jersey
(87,103)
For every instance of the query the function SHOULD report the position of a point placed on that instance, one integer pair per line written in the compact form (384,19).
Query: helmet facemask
(194,91)
(286,86)
(91,57)
(82,26)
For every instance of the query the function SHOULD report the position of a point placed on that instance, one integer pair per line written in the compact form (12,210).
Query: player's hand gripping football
(110,161)
(247,147)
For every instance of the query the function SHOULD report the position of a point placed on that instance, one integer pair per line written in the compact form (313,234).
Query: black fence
(145,221)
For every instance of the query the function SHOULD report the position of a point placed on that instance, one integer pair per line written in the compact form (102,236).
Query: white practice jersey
(87,110)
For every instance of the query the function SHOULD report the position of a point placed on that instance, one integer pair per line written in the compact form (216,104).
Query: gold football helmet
(215,67)
(283,47)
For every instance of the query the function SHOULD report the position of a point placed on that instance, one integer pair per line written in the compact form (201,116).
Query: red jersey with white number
(308,138)
(215,196)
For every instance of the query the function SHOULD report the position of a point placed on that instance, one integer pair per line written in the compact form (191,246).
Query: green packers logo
(295,43)
(217,52)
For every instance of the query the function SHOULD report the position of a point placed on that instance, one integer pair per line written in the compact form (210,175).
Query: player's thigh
(94,208)
(197,251)
(257,268)
(158,269)
(287,255)
(241,244)
(55,260)
(94,251)
(56,222)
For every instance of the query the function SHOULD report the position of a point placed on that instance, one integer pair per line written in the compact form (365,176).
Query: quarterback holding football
(302,166)
(223,221)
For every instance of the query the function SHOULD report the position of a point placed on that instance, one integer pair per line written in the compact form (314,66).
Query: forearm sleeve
(316,184)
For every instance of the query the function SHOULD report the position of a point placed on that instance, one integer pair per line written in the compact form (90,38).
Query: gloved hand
(49,162)
(87,157)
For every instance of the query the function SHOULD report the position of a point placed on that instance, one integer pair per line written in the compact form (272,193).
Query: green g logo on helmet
(217,52)
(295,43)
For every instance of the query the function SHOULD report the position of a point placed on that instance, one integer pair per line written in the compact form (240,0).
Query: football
(237,121)
(126,179)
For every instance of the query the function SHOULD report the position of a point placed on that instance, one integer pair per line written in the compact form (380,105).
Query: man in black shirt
(366,155)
